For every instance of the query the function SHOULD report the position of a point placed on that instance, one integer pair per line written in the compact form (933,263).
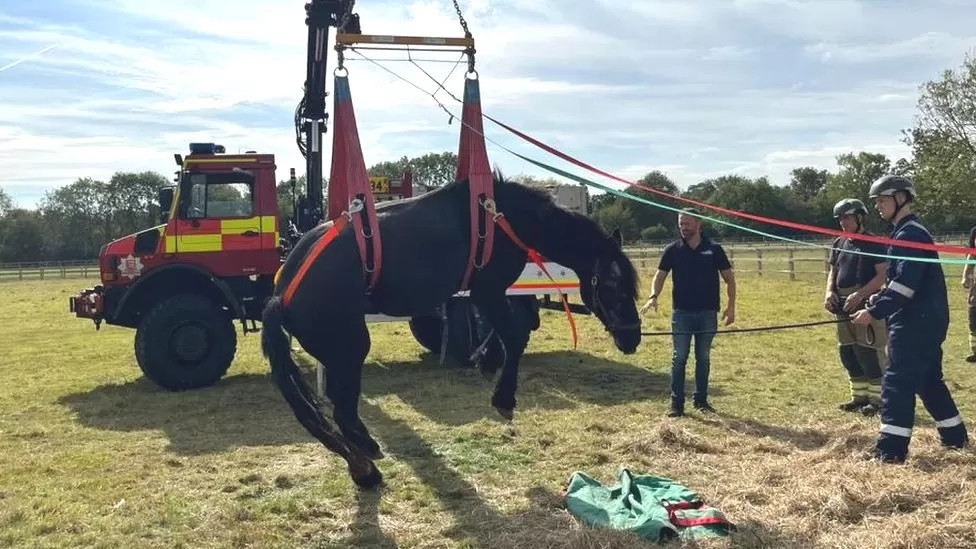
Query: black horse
(425,252)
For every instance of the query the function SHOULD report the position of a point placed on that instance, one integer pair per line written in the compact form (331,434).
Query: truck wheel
(185,342)
(525,310)
(427,330)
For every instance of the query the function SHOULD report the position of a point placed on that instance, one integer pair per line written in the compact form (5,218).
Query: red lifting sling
(473,164)
(350,192)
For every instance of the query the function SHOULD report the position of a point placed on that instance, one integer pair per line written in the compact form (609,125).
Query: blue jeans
(692,321)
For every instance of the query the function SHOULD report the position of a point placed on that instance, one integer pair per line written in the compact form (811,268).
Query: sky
(694,88)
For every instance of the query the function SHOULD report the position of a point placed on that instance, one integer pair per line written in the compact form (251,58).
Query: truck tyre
(185,342)
(525,310)
(427,330)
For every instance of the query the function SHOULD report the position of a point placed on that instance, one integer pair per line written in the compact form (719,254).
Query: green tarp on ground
(656,508)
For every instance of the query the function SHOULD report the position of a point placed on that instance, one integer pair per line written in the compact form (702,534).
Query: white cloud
(668,11)
(695,88)
(937,45)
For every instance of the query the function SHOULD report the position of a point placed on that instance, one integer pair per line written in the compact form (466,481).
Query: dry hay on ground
(93,456)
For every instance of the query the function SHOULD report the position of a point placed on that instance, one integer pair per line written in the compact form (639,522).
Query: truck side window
(220,199)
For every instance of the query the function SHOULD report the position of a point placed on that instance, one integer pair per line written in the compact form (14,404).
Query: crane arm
(310,115)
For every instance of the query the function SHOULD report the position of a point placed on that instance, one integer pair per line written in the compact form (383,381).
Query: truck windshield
(219,195)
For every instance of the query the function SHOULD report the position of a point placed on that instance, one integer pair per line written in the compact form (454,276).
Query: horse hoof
(506,413)
(371,480)
(372,452)
(370,448)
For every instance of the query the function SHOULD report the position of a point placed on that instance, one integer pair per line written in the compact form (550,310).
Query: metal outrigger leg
(319,370)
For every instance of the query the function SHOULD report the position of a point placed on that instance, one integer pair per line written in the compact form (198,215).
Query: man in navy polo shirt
(697,263)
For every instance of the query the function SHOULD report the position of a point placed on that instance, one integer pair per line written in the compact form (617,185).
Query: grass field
(91,455)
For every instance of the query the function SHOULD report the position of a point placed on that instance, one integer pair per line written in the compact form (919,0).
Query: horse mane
(578,231)
(581,229)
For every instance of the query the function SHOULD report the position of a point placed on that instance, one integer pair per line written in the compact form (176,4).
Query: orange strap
(537,259)
(326,239)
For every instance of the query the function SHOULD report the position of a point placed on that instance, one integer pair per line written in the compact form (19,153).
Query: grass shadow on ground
(476,523)
(558,380)
(242,410)
(543,522)
(803,438)
(247,410)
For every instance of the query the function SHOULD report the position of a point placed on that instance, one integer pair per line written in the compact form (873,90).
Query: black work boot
(954,438)
(854,404)
(870,409)
(677,407)
(955,445)
(704,406)
(891,459)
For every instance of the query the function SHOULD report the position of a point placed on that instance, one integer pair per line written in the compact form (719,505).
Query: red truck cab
(211,261)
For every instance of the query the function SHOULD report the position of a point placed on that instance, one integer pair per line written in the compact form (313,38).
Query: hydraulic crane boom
(310,115)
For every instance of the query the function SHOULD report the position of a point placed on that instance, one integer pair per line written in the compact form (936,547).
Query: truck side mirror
(165,203)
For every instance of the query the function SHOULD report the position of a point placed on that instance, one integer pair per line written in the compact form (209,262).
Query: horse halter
(611,326)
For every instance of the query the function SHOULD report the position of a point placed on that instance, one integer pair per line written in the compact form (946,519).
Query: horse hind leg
(342,352)
(299,395)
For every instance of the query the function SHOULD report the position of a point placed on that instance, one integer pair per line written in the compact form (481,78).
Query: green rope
(615,192)
(611,190)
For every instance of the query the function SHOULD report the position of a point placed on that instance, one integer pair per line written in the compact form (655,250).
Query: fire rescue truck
(211,260)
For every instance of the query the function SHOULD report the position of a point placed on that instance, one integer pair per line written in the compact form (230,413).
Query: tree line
(942,162)
(74,221)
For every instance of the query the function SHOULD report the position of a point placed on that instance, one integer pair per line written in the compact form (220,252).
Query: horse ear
(615,236)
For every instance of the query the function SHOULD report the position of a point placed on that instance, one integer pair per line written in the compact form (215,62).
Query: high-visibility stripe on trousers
(972,317)
(972,328)
(915,367)
(862,354)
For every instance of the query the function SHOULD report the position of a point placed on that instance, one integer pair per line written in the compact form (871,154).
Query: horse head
(608,280)
(611,293)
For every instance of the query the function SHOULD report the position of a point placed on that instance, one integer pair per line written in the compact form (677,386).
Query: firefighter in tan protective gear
(852,278)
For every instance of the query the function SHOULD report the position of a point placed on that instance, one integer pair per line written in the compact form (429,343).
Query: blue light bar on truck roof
(206,148)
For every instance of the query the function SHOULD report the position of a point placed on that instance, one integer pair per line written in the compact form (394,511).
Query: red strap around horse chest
(538,260)
(326,239)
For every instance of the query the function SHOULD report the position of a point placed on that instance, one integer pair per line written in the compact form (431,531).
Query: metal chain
(464,24)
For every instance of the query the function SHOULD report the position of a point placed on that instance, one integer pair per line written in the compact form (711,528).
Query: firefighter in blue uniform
(915,304)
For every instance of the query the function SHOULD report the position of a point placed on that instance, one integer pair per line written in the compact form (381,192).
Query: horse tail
(289,379)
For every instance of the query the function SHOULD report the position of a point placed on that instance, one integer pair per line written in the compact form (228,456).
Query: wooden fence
(11,272)
(761,260)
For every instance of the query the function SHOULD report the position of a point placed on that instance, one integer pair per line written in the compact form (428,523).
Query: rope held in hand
(758,329)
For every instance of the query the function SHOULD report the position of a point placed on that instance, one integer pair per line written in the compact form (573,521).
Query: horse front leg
(494,307)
